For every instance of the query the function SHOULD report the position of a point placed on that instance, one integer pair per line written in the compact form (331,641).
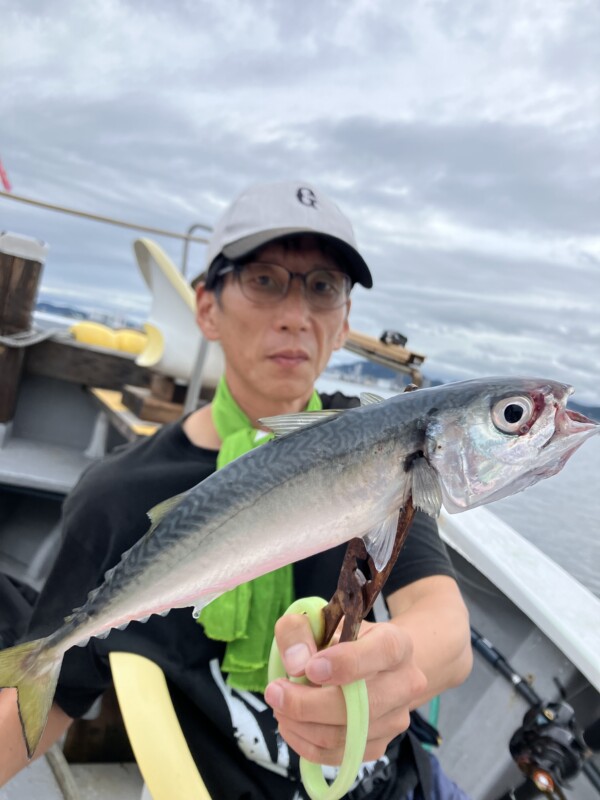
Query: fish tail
(32,669)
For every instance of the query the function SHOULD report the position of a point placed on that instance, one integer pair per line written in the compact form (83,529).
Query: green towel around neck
(245,616)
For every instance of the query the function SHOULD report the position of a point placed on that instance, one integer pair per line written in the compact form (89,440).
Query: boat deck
(94,782)
(50,468)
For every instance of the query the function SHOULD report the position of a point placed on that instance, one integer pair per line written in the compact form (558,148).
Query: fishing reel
(549,748)
(393,337)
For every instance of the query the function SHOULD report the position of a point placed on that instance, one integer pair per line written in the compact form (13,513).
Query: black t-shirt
(232,734)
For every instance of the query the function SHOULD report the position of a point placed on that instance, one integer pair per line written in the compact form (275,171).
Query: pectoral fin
(379,541)
(426,489)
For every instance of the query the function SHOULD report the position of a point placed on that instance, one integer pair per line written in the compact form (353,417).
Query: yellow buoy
(130,340)
(94,333)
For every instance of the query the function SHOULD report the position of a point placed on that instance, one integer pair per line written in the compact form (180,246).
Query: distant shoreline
(360,372)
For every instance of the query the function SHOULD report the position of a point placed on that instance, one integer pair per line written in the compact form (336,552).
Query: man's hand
(312,719)
(13,755)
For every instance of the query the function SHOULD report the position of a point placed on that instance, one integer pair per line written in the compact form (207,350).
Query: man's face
(275,351)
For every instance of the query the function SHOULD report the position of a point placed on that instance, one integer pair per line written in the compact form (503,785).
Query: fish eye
(513,414)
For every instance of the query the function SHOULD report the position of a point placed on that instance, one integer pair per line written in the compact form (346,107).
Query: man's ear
(207,308)
(342,335)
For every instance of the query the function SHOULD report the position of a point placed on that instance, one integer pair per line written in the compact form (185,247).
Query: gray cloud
(461,140)
(492,174)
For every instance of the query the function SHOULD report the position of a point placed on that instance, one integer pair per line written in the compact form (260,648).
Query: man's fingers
(306,704)
(383,648)
(295,642)
(331,756)
(326,705)
(333,737)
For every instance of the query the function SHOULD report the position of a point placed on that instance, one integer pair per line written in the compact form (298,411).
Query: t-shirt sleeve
(423,555)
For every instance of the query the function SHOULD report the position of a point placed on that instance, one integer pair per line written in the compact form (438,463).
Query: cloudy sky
(462,139)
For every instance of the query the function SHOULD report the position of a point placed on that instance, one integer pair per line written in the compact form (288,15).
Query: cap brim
(356,266)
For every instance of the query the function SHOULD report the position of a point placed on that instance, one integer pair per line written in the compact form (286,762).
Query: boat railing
(186,237)
(561,607)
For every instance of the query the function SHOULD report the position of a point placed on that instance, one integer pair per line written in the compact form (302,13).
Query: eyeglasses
(267,284)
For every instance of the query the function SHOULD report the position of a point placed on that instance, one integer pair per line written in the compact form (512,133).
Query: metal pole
(195,384)
(186,244)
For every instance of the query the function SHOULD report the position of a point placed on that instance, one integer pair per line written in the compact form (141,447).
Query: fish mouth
(577,417)
(571,429)
(568,422)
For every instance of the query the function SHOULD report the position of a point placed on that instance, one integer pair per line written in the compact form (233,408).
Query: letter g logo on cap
(307,197)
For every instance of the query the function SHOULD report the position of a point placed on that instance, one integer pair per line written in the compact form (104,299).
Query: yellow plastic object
(174,339)
(112,402)
(158,743)
(155,346)
(127,340)
(130,340)
(94,333)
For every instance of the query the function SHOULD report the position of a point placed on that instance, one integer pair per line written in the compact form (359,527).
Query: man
(276,295)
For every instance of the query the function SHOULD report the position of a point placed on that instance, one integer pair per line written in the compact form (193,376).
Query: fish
(324,479)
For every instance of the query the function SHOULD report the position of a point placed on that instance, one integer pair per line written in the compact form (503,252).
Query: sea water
(560,515)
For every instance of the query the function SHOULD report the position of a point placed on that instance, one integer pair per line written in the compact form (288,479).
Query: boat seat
(129,425)
(158,743)
(28,547)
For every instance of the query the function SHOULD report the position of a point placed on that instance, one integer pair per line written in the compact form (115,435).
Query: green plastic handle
(357,713)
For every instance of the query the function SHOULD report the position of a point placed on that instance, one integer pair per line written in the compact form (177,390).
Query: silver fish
(328,478)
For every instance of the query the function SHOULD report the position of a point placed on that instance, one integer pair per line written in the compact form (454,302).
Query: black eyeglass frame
(238,268)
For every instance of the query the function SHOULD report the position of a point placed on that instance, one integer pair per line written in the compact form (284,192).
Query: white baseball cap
(268,211)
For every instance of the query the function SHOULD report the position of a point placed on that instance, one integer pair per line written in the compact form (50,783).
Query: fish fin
(426,489)
(284,424)
(203,601)
(370,399)
(160,510)
(33,669)
(379,541)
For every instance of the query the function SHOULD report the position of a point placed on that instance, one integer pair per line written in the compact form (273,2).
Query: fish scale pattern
(242,483)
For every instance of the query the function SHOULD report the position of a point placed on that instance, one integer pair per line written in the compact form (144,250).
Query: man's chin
(292,385)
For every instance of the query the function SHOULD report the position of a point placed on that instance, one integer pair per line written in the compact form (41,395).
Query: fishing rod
(549,748)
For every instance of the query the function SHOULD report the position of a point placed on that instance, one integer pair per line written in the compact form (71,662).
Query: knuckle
(330,758)
(419,683)
(292,705)
(375,749)
(329,737)
(312,752)
(400,721)
(298,706)
(392,643)
(378,700)
(291,626)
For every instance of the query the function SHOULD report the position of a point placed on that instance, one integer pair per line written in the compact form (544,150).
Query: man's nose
(293,309)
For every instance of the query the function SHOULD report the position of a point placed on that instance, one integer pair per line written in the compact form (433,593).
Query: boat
(525,723)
